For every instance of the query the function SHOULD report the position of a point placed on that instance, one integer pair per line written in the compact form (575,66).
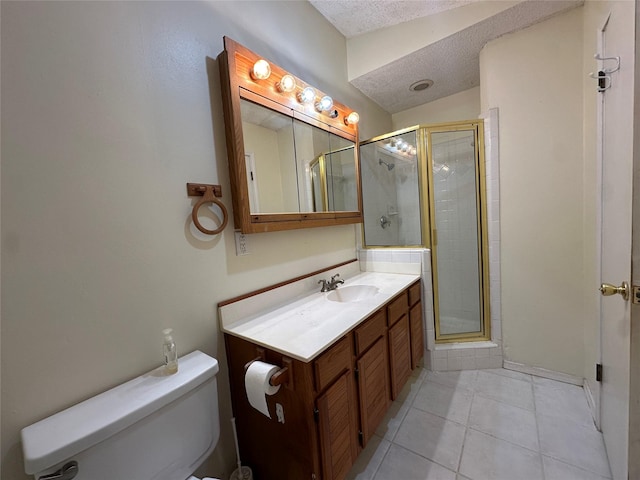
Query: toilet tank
(154,427)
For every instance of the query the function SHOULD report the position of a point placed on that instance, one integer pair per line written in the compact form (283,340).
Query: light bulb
(307,95)
(261,70)
(286,84)
(352,119)
(324,104)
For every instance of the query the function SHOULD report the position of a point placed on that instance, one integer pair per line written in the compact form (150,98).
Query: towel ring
(209,194)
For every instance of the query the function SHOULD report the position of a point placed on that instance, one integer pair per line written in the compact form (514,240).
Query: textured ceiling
(452,63)
(355,17)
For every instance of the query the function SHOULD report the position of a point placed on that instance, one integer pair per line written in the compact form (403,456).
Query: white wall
(109,108)
(461,106)
(534,77)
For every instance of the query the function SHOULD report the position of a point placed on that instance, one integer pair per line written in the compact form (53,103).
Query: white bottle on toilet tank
(170,352)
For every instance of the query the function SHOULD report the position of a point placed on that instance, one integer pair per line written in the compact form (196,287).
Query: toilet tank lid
(71,431)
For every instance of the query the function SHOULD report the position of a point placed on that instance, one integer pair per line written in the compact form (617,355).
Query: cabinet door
(399,355)
(337,425)
(373,387)
(417,334)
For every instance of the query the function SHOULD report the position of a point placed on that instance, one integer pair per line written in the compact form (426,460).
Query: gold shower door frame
(427,209)
(477,127)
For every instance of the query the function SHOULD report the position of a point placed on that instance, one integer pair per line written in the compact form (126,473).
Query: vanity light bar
(261,70)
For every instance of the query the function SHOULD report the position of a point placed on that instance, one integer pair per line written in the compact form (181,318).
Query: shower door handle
(607,289)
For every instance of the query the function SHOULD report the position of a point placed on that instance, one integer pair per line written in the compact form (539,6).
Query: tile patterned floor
(485,425)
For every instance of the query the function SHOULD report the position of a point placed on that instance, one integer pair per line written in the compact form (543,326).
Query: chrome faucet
(328,285)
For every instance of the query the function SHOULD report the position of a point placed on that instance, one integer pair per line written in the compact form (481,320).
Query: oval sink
(352,293)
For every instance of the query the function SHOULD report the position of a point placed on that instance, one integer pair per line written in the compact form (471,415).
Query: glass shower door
(391,190)
(457,229)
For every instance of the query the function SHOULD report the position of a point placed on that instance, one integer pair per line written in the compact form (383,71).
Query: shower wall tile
(439,364)
(494,361)
(461,363)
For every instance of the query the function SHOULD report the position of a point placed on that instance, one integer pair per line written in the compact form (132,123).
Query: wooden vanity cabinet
(372,373)
(271,448)
(338,437)
(332,405)
(336,410)
(415,324)
(399,342)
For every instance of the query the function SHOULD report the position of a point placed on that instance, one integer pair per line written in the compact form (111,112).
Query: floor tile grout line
(506,441)
(421,456)
(566,462)
(375,474)
(466,430)
(502,402)
(582,469)
(535,416)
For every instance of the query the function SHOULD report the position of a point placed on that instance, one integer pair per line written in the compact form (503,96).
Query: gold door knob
(607,290)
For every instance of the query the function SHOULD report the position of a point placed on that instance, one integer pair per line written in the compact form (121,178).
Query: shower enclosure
(390,190)
(425,186)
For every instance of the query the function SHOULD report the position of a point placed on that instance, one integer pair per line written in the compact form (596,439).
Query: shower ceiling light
(421,85)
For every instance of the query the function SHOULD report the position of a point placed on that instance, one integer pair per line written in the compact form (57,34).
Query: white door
(617,162)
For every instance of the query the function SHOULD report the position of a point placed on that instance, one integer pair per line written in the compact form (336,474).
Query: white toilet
(154,427)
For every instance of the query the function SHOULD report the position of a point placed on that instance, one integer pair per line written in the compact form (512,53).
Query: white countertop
(309,324)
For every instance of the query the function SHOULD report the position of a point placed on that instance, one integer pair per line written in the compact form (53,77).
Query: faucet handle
(335,276)
(325,287)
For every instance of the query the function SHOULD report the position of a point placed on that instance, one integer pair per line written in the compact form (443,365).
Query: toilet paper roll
(256,383)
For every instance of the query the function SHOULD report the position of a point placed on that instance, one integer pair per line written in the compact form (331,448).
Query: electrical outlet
(242,244)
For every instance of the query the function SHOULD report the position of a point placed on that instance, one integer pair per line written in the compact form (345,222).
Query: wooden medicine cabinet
(292,165)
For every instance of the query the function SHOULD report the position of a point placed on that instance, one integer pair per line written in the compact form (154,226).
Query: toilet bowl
(154,427)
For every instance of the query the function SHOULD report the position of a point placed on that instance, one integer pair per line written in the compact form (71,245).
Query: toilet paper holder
(284,376)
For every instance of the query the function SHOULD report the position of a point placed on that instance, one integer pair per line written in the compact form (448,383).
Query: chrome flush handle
(67,472)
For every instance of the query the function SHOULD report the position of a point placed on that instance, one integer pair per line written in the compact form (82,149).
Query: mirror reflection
(270,159)
(293,166)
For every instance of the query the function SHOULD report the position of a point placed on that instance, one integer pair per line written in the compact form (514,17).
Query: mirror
(334,181)
(291,166)
(270,159)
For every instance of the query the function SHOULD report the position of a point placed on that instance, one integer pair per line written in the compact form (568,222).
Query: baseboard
(543,372)
(592,404)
